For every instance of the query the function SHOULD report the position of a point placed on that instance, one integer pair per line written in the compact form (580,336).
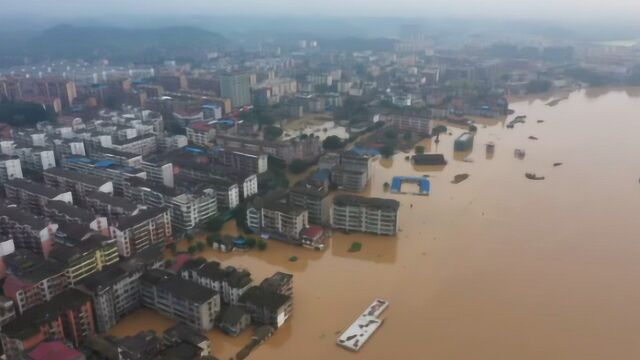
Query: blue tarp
(104,163)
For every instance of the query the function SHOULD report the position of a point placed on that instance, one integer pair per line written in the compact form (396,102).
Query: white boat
(361,330)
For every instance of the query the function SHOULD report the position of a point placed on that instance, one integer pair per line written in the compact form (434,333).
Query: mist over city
(280,179)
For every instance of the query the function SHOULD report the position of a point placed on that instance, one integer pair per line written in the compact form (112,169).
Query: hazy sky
(546,9)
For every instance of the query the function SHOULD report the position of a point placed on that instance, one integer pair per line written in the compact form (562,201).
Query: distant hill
(67,41)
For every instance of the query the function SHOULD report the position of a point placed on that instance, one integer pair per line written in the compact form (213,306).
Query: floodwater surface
(495,267)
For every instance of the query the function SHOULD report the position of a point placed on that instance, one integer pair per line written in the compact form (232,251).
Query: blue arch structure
(424,183)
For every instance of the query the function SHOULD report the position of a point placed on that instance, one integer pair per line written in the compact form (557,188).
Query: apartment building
(242,159)
(31,280)
(180,299)
(10,168)
(108,169)
(416,124)
(146,226)
(34,196)
(201,133)
(230,282)
(36,159)
(141,145)
(183,334)
(280,218)
(79,184)
(267,307)
(314,196)
(111,207)
(60,212)
(114,291)
(28,232)
(363,214)
(187,208)
(67,317)
(159,171)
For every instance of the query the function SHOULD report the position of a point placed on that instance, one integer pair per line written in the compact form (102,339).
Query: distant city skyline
(556,10)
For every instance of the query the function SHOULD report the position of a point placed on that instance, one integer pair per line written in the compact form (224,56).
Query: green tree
(200,246)
(272,132)
(473,128)
(407,136)
(172,247)
(262,245)
(419,149)
(251,242)
(192,249)
(298,166)
(332,142)
(215,224)
(387,150)
(188,237)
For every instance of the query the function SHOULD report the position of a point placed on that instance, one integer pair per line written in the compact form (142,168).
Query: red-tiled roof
(313,232)
(54,350)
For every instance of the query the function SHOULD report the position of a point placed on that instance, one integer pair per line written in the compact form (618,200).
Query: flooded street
(495,267)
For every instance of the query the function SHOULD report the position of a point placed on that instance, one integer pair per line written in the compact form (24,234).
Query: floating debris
(459,178)
(555,102)
(293,258)
(518,120)
(533,176)
(355,246)
(361,330)
(491,147)
(540,121)
(557,164)
(519,153)
(468,159)
(533,137)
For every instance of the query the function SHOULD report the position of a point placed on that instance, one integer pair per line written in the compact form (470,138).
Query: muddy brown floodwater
(495,267)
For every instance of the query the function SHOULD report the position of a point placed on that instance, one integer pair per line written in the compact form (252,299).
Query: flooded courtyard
(497,266)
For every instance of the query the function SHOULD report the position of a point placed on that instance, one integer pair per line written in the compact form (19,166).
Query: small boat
(533,176)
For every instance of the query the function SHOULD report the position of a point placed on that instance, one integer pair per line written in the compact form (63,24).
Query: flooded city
(497,266)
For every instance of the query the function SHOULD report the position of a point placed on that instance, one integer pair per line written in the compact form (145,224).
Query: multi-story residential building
(112,207)
(118,174)
(10,168)
(267,307)
(187,208)
(303,149)
(57,88)
(278,217)
(68,147)
(28,232)
(31,280)
(34,196)
(201,133)
(119,157)
(68,316)
(151,225)
(350,179)
(79,184)
(181,333)
(142,346)
(173,142)
(115,292)
(313,196)
(280,282)
(36,159)
(180,299)
(159,171)
(60,212)
(363,214)
(7,310)
(416,124)
(242,159)
(229,281)
(237,87)
(82,251)
(142,145)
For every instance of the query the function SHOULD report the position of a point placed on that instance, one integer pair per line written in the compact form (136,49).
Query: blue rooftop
(365,151)
(192,149)
(104,163)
